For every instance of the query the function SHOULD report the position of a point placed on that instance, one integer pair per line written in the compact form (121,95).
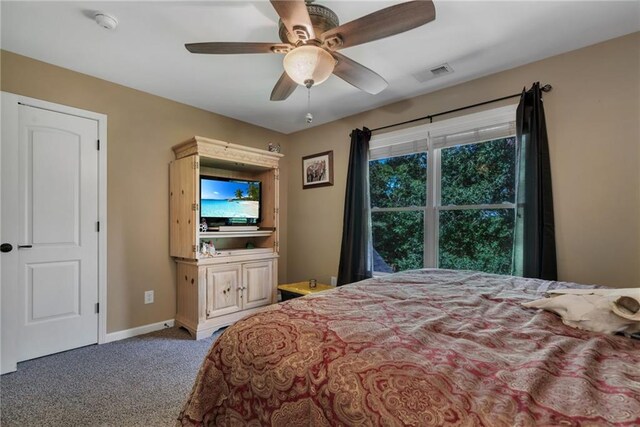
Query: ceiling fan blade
(295,16)
(358,75)
(383,23)
(236,47)
(283,88)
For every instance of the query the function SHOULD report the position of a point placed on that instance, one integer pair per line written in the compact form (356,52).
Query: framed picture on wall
(317,170)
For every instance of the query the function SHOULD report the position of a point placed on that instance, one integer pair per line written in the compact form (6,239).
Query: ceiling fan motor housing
(322,19)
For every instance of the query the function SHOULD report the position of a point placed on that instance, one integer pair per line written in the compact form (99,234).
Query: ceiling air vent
(441,69)
(433,72)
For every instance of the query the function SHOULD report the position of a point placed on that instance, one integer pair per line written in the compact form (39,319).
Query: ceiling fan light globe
(306,63)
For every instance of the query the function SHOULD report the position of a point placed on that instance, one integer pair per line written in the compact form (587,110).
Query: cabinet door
(223,288)
(257,283)
(183,207)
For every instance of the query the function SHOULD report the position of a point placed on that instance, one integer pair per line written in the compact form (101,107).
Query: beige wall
(141,130)
(593,121)
(594,132)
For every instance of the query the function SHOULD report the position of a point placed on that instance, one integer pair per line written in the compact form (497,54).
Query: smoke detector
(105,20)
(433,72)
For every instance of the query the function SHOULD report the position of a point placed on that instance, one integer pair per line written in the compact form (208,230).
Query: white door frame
(8,311)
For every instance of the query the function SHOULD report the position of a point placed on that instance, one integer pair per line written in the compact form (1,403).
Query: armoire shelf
(231,234)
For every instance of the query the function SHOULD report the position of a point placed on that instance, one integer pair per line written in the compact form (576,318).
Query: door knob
(6,247)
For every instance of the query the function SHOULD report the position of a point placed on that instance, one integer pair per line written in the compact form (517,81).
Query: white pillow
(599,310)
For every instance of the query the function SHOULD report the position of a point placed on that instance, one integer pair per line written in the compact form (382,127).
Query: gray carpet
(140,381)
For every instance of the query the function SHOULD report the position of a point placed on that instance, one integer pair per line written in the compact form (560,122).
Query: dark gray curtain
(356,250)
(534,243)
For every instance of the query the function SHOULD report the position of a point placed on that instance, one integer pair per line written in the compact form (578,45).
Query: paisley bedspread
(425,347)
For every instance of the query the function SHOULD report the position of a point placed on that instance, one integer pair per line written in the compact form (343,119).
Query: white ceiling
(146,51)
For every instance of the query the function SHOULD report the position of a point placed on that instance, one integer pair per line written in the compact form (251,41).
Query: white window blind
(398,149)
(479,134)
(474,128)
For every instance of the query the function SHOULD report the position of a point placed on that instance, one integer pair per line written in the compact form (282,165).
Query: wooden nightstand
(295,290)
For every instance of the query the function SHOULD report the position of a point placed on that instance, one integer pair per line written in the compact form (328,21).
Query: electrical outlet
(148,297)
(334,281)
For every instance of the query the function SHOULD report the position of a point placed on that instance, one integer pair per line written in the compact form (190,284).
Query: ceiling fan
(311,37)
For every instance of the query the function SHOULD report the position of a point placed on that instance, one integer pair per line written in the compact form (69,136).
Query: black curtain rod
(545,88)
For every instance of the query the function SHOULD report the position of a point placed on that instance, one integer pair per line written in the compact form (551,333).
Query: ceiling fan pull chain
(309,116)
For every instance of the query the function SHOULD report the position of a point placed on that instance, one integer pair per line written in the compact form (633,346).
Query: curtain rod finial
(547,88)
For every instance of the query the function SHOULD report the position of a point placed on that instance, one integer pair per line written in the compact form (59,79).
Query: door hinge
(98,145)
(276,244)
(194,248)
(196,165)
(98,226)
(277,174)
(195,207)
(97,307)
(276,210)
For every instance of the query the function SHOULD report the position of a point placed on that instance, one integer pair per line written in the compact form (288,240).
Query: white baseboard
(140,330)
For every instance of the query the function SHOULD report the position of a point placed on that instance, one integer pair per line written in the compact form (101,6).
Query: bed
(424,347)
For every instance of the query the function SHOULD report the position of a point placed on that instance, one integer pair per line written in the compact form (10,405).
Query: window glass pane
(481,173)
(398,240)
(398,181)
(477,239)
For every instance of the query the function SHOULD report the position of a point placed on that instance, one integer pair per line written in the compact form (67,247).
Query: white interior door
(57,247)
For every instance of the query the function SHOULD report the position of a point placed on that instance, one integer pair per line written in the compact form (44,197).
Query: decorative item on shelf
(207,249)
(274,148)
(313,283)
(203,225)
(249,245)
(317,170)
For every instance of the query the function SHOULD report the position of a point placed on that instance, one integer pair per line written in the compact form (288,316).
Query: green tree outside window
(470,236)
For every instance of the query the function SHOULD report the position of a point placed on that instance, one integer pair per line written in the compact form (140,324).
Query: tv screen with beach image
(229,199)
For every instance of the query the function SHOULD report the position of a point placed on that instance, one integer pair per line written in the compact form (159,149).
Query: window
(443,194)
(398,192)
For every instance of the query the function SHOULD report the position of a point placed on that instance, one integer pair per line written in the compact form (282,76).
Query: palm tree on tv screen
(253,192)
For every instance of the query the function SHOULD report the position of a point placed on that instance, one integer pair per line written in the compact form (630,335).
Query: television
(228,201)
